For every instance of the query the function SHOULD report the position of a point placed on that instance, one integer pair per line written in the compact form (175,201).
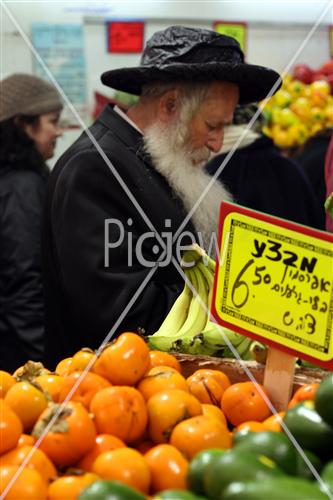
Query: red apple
(303,73)
(318,75)
(327,67)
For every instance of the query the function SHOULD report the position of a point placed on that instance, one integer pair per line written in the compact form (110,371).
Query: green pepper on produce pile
(177,495)
(110,490)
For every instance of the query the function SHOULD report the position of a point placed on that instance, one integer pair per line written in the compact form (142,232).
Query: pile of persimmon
(126,414)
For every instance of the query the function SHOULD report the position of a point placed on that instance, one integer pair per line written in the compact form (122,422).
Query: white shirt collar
(126,118)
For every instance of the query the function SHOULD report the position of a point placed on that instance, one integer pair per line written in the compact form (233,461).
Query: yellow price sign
(237,30)
(275,283)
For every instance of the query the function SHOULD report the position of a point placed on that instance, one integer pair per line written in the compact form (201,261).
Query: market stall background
(277,35)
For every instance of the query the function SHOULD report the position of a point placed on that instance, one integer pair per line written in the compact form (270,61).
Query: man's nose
(215,142)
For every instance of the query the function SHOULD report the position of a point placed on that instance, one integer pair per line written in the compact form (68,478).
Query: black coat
(312,158)
(84,299)
(22,194)
(259,177)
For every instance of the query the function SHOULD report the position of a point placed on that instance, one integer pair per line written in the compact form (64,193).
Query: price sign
(237,30)
(275,283)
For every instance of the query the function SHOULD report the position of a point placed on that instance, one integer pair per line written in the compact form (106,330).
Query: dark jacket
(312,158)
(259,177)
(21,296)
(84,298)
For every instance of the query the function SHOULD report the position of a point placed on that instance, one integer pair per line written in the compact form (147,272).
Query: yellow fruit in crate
(276,114)
(320,86)
(267,131)
(301,107)
(287,78)
(320,91)
(316,127)
(307,92)
(298,133)
(287,118)
(282,98)
(318,115)
(296,88)
(281,137)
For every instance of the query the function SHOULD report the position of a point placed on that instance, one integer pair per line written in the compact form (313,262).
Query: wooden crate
(235,369)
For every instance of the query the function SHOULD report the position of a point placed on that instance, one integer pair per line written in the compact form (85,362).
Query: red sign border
(228,208)
(238,23)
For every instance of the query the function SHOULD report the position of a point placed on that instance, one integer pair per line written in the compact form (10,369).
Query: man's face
(206,128)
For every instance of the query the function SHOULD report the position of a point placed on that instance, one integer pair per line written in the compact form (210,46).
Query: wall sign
(61,48)
(237,30)
(125,37)
(275,283)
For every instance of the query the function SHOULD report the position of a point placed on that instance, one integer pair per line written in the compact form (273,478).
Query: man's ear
(168,105)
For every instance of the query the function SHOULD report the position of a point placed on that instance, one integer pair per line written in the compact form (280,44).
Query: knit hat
(22,94)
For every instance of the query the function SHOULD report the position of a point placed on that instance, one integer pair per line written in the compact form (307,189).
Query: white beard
(183,170)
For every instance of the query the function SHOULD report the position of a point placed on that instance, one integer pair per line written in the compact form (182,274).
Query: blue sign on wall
(61,47)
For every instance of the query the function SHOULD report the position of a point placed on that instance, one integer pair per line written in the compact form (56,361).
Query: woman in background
(29,128)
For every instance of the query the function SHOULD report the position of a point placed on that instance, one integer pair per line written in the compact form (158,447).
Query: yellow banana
(243,347)
(209,276)
(177,315)
(197,315)
(218,336)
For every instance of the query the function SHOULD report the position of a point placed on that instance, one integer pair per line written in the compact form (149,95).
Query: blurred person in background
(29,128)
(311,156)
(259,177)
(329,186)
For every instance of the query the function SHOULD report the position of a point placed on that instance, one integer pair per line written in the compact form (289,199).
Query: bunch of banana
(188,327)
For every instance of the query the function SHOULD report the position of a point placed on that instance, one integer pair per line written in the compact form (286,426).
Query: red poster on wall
(125,36)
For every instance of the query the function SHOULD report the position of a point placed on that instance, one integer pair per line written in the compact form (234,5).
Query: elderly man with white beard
(118,202)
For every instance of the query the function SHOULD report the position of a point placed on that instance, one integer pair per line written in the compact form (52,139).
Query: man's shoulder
(109,135)
(105,140)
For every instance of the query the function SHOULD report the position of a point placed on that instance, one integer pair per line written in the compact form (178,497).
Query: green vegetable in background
(275,445)
(237,465)
(309,429)
(110,490)
(284,488)
(324,400)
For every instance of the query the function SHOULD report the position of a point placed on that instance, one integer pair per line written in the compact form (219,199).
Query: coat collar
(121,128)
